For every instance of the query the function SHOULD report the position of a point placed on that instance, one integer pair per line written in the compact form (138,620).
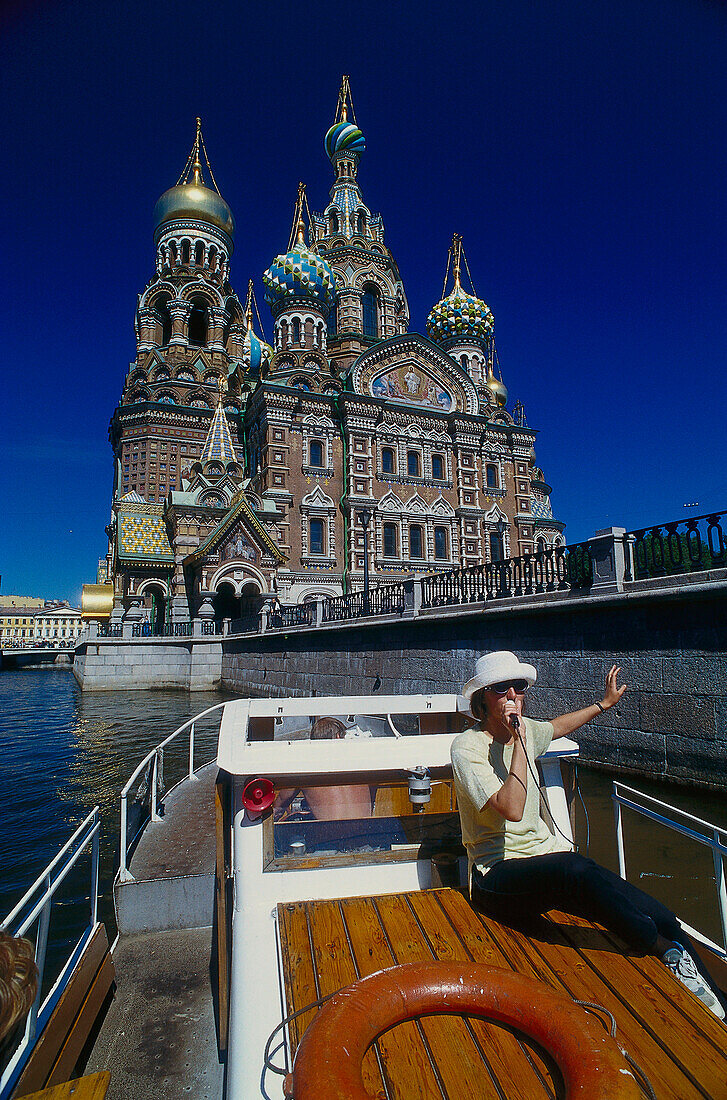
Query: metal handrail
(717,842)
(156,755)
(39,909)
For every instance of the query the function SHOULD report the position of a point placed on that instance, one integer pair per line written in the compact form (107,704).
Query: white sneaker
(681,964)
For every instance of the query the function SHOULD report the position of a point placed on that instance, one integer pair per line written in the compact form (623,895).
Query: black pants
(517,890)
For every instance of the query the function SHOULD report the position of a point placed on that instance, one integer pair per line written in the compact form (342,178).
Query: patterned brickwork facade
(244,469)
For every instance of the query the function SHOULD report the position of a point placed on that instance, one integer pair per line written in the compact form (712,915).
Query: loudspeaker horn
(258,795)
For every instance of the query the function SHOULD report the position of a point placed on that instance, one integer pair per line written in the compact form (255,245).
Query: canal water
(62,752)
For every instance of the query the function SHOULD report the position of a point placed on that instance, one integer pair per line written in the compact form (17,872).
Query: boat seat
(93,1087)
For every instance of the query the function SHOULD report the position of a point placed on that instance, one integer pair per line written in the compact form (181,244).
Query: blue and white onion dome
(344,137)
(255,352)
(300,273)
(460,316)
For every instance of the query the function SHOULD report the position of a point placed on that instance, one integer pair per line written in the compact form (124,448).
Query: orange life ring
(328,1061)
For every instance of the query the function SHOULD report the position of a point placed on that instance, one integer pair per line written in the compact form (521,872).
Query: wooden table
(677,1041)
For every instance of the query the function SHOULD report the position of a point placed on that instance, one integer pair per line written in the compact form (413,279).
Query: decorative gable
(238,536)
(411,370)
(317,499)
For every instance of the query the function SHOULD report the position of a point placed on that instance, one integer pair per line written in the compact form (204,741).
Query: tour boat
(294,922)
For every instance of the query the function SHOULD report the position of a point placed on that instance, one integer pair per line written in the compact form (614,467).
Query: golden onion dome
(497,388)
(191,198)
(194,200)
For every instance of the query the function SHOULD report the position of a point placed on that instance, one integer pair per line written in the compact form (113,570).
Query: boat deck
(326,945)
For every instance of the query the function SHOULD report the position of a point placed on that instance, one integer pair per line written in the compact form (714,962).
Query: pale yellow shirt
(480,766)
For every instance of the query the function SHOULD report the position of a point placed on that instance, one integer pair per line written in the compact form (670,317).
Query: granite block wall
(148,666)
(672,721)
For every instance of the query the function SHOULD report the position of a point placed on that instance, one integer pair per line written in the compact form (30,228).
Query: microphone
(515,723)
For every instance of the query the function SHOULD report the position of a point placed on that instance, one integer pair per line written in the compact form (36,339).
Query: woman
(518,868)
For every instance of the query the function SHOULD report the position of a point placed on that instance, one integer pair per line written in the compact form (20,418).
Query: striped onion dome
(255,353)
(344,137)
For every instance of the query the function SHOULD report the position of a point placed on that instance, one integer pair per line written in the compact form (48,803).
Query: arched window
(389,540)
(361,225)
(333,223)
(319,334)
(198,322)
(213,259)
(497,552)
(540,546)
(296,330)
(413,465)
(173,250)
(437,467)
(332,322)
(370,306)
(491,473)
(464,360)
(316,536)
(440,543)
(387,460)
(316,453)
(416,542)
(199,253)
(185,252)
(161,306)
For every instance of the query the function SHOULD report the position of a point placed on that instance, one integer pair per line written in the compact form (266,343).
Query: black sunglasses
(520,687)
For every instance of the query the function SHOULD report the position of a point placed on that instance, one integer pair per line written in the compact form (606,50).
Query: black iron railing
(683,546)
(388,599)
(110,630)
(209,628)
(162,630)
(248,624)
(557,569)
(299,615)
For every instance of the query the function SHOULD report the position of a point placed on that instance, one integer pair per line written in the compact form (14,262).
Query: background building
(38,622)
(244,470)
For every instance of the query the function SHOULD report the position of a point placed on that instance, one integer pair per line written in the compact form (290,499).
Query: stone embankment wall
(148,665)
(670,643)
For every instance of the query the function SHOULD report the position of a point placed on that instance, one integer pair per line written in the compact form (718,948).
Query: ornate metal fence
(299,615)
(110,630)
(164,630)
(388,599)
(557,569)
(683,546)
(248,624)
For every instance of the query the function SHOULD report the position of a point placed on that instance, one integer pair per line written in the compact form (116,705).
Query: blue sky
(580,149)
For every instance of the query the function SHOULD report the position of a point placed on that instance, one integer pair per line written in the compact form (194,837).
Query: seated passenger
(518,868)
(18,987)
(334,803)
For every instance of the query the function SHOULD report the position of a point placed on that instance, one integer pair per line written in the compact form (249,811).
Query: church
(247,471)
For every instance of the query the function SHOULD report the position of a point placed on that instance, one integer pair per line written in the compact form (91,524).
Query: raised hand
(613,692)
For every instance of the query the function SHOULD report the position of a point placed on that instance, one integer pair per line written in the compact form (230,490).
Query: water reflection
(63,751)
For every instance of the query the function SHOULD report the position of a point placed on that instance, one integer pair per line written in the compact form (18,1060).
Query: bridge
(653,601)
(19,658)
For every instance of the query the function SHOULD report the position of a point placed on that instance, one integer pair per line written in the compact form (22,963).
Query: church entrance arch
(155,600)
(251,600)
(226,602)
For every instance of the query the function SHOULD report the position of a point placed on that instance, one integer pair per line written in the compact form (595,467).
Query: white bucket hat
(495,668)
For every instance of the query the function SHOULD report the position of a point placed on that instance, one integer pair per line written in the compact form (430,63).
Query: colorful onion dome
(255,353)
(299,274)
(344,137)
(497,388)
(194,200)
(460,316)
